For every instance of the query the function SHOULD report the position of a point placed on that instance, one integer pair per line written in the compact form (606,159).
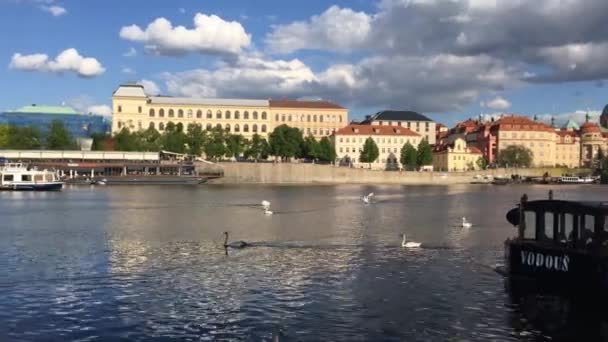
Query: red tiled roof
(520,123)
(304,104)
(475,150)
(442,148)
(590,127)
(375,130)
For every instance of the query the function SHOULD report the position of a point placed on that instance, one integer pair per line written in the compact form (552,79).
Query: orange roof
(375,130)
(444,147)
(520,123)
(304,104)
(590,127)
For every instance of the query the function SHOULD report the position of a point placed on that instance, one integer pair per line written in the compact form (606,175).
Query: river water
(147,263)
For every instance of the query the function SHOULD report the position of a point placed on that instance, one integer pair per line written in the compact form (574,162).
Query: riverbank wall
(293,173)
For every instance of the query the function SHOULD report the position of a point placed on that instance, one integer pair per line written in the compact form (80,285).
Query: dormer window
(356,130)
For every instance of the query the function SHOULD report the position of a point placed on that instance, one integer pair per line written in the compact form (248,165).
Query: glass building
(79,125)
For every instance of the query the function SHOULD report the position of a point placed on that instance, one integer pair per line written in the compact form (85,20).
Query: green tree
(24,138)
(235,145)
(174,139)
(125,141)
(149,140)
(370,152)
(196,139)
(515,156)
(409,156)
(58,137)
(310,148)
(4,136)
(215,146)
(285,142)
(257,148)
(99,141)
(425,153)
(482,163)
(327,151)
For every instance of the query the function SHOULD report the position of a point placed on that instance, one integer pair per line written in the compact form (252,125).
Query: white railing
(78,155)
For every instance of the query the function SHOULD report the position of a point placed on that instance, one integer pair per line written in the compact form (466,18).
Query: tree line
(57,137)
(410,157)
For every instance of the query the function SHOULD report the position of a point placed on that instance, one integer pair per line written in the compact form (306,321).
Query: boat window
(586,231)
(26,178)
(8,178)
(530,232)
(38,178)
(549,226)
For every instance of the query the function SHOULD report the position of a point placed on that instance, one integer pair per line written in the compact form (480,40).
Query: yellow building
(522,131)
(349,141)
(133,109)
(456,156)
(592,140)
(414,121)
(567,148)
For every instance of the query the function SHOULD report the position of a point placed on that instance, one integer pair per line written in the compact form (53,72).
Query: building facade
(349,141)
(79,125)
(416,122)
(133,109)
(456,156)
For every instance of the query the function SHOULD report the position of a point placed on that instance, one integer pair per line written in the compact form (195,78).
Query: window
(276,117)
(263,115)
(218,114)
(289,117)
(254,128)
(8,177)
(380,123)
(209,114)
(302,118)
(340,149)
(255,115)
(383,150)
(171,113)
(180,113)
(315,131)
(340,117)
(245,116)
(308,119)
(314,118)
(139,109)
(283,118)
(237,115)
(161,126)
(209,127)
(227,114)
(120,109)
(26,178)
(245,127)
(161,113)
(189,113)
(308,130)
(119,124)
(138,124)
(227,127)
(320,118)
(199,114)
(151,112)
(218,126)
(263,128)
(151,125)
(237,128)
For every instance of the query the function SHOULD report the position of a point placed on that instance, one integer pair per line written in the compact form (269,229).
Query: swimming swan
(367,198)
(267,212)
(409,244)
(466,224)
(234,244)
(266,207)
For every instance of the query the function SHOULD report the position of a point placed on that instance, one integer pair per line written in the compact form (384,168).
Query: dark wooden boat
(560,246)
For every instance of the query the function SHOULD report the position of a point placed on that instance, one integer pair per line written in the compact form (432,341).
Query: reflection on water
(147,263)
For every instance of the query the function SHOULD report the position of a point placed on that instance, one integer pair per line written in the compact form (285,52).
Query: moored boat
(18,177)
(560,245)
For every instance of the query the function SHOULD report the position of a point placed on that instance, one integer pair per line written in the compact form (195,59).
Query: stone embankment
(294,173)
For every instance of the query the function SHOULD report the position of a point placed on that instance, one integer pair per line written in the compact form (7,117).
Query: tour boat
(17,176)
(577,180)
(560,245)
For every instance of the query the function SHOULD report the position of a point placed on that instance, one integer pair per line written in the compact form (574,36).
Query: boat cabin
(567,224)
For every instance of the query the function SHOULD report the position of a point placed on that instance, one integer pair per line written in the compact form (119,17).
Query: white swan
(409,244)
(265,204)
(267,212)
(367,198)
(466,224)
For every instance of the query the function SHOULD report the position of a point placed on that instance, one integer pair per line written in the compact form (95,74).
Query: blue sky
(449,59)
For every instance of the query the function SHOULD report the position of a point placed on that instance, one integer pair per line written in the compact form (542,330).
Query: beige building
(133,109)
(592,140)
(416,122)
(349,141)
(522,131)
(567,148)
(456,156)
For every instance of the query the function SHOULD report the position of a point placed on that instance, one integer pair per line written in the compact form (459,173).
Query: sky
(449,59)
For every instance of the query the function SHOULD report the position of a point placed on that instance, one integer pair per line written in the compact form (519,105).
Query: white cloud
(578,116)
(127,70)
(150,87)
(130,53)
(67,61)
(55,10)
(335,29)
(104,110)
(498,103)
(211,34)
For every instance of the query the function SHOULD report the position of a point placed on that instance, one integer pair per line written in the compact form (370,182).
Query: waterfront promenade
(293,173)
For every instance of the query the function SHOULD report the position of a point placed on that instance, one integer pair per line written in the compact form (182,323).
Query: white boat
(576,180)
(17,176)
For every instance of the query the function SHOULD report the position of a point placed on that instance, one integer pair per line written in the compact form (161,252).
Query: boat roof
(560,206)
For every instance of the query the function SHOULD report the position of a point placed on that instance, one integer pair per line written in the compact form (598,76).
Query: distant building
(349,142)
(79,125)
(456,156)
(408,119)
(133,109)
